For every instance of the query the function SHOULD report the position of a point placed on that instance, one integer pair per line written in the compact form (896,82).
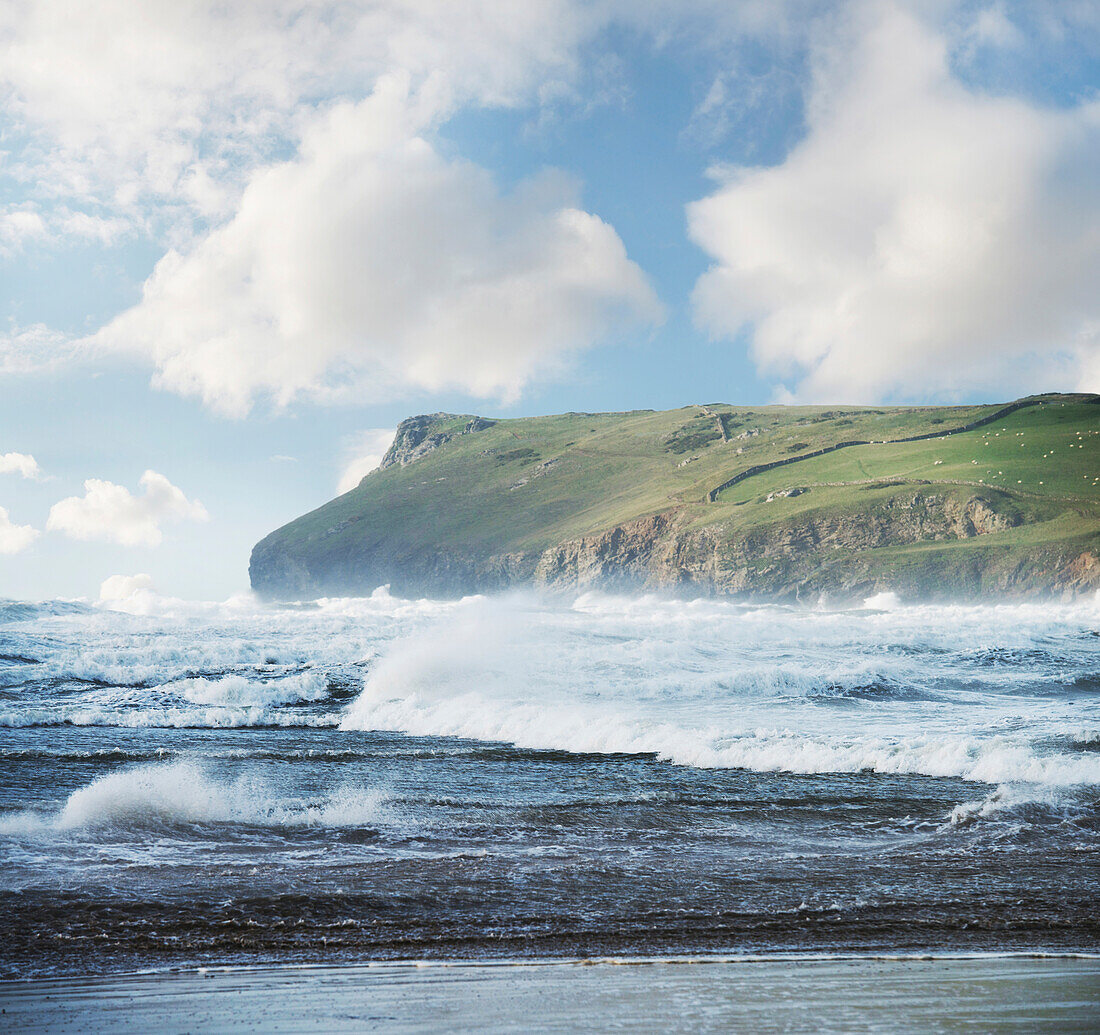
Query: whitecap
(182,792)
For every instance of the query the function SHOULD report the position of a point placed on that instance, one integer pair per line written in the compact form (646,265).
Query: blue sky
(237,246)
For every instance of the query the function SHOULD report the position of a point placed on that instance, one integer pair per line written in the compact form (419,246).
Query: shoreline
(458,963)
(792,992)
(672,959)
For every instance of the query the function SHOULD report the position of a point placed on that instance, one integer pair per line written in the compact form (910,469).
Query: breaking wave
(767,689)
(997,694)
(182,793)
(985,760)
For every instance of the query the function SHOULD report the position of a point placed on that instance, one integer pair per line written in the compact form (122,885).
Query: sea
(523,777)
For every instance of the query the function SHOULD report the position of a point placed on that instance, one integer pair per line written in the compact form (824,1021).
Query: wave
(182,793)
(210,751)
(881,689)
(159,665)
(1025,807)
(499,673)
(527,726)
(104,756)
(25,611)
(254,699)
(971,812)
(978,692)
(162,718)
(239,691)
(887,601)
(1084,739)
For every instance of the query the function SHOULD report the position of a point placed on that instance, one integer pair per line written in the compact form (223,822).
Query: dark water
(231,783)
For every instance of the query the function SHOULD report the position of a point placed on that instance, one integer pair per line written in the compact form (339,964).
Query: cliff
(774,502)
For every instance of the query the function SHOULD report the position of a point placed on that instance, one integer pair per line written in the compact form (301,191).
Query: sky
(240,242)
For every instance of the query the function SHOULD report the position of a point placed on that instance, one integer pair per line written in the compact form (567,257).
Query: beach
(981,993)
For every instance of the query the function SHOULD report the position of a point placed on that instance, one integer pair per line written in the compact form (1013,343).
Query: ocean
(518,777)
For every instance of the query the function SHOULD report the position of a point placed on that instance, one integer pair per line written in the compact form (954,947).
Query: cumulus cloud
(166,119)
(372,260)
(162,97)
(151,116)
(169,102)
(20,463)
(111,513)
(992,27)
(13,537)
(921,238)
(121,587)
(363,455)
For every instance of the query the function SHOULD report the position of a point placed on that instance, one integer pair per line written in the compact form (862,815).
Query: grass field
(1051,451)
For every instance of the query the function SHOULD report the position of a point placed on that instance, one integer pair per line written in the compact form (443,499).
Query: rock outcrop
(415,438)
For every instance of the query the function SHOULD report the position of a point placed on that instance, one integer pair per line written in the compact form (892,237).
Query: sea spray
(181,792)
(628,679)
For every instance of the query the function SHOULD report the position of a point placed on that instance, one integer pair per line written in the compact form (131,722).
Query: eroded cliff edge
(933,503)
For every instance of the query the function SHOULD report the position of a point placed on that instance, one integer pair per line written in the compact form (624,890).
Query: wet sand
(1014,993)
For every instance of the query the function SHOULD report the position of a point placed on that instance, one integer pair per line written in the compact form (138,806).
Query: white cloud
(922,237)
(14,538)
(363,455)
(993,27)
(19,224)
(169,102)
(28,223)
(121,587)
(34,349)
(371,260)
(166,118)
(20,463)
(111,513)
(156,113)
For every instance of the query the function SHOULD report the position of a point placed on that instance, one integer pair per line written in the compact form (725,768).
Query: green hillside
(645,497)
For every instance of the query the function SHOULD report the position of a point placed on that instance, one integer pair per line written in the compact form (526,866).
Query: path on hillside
(1000,414)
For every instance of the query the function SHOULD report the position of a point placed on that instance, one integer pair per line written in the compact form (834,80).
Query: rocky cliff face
(416,438)
(796,560)
(800,557)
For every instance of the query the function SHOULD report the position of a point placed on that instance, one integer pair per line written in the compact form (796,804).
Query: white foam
(942,690)
(589,729)
(723,685)
(215,717)
(242,691)
(886,601)
(182,793)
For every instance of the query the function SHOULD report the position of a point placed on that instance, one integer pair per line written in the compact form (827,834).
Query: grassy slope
(1046,451)
(487,493)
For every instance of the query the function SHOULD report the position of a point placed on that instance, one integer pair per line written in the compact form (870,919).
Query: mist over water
(187,782)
